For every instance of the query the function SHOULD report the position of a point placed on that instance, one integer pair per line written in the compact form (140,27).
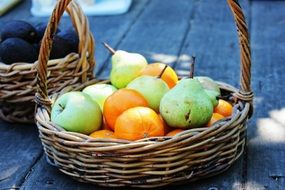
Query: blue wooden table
(171,31)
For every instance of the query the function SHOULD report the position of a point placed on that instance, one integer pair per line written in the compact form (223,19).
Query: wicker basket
(18,81)
(190,155)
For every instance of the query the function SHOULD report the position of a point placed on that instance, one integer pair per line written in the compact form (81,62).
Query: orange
(169,75)
(174,132)
(103,134)
(224,108)
(215,117)
(120,101)
(138,123)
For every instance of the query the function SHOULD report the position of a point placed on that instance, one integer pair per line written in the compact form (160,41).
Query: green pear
(211,88)
(152,88)
(126,67)
(186,105)
(99,92)
(213,96)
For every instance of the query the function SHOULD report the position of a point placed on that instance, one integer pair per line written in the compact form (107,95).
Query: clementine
(224,108)
(174,132)
(120,101)
(215,117)
(138,123)
(169,75)
(103,134)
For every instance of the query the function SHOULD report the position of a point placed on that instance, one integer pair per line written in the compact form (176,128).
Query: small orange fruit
(215,117)
(120,101)
(174,132)
(224,108)
(138,123)
(103,134)
(169,75)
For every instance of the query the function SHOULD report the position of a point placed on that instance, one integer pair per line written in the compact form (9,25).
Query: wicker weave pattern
(18,81)
(245,92)
(190,155)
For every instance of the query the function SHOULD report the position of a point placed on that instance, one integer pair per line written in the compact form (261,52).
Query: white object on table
(90,7)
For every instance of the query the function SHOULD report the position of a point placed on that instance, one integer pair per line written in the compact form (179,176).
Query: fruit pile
(143,100)
(20,42)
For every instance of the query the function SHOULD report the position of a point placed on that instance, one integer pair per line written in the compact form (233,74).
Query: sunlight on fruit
(272,129)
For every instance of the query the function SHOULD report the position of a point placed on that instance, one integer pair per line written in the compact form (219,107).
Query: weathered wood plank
(20,149)
(266,147)
(159,32)
(213,40)
(45,176)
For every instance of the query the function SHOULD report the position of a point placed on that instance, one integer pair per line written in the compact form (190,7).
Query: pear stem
(192,64)
(161,73)
(111,50)
(61,106)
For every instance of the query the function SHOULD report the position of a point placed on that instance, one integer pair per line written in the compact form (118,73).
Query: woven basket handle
(245,92)
(86,46)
